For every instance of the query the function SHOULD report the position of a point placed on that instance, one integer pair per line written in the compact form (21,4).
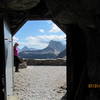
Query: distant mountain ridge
(62,54)
(51,51)
(25,48)
(56,45)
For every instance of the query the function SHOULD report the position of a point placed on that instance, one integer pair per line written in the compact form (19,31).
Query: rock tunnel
(78,19)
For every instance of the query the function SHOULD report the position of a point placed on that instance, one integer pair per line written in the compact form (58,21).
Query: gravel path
(40,83)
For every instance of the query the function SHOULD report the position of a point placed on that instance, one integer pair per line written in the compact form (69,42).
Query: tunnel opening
(46,38)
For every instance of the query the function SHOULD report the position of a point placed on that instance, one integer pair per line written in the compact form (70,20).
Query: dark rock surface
(51,62)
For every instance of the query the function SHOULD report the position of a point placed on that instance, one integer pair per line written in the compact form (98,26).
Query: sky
(37,34)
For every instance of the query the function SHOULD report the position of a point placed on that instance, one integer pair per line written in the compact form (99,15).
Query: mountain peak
(54,42)
(25,48)
(57,45)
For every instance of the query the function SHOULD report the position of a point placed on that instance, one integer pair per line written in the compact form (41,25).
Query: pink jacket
(15,51)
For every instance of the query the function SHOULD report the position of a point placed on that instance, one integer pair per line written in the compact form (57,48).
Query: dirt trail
(40,83)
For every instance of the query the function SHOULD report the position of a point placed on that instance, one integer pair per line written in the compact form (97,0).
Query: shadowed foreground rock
(23,65)
(57,62)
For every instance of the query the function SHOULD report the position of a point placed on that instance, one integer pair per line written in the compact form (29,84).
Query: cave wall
(80,20)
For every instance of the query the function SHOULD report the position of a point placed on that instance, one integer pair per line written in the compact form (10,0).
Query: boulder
(23,65)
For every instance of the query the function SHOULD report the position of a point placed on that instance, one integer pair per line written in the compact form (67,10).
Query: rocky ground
(40,83)
(50,62)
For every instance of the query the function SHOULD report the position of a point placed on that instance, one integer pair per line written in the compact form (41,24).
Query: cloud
(15,39)
(49,22)
(43,40)
(47,37)
(41,30)
(35,42)
(40,41)
(54,28)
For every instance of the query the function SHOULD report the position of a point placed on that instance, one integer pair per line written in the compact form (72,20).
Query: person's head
(16,44)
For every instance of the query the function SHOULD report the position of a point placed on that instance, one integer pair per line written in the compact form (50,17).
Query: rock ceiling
(22,4)
(85,13)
